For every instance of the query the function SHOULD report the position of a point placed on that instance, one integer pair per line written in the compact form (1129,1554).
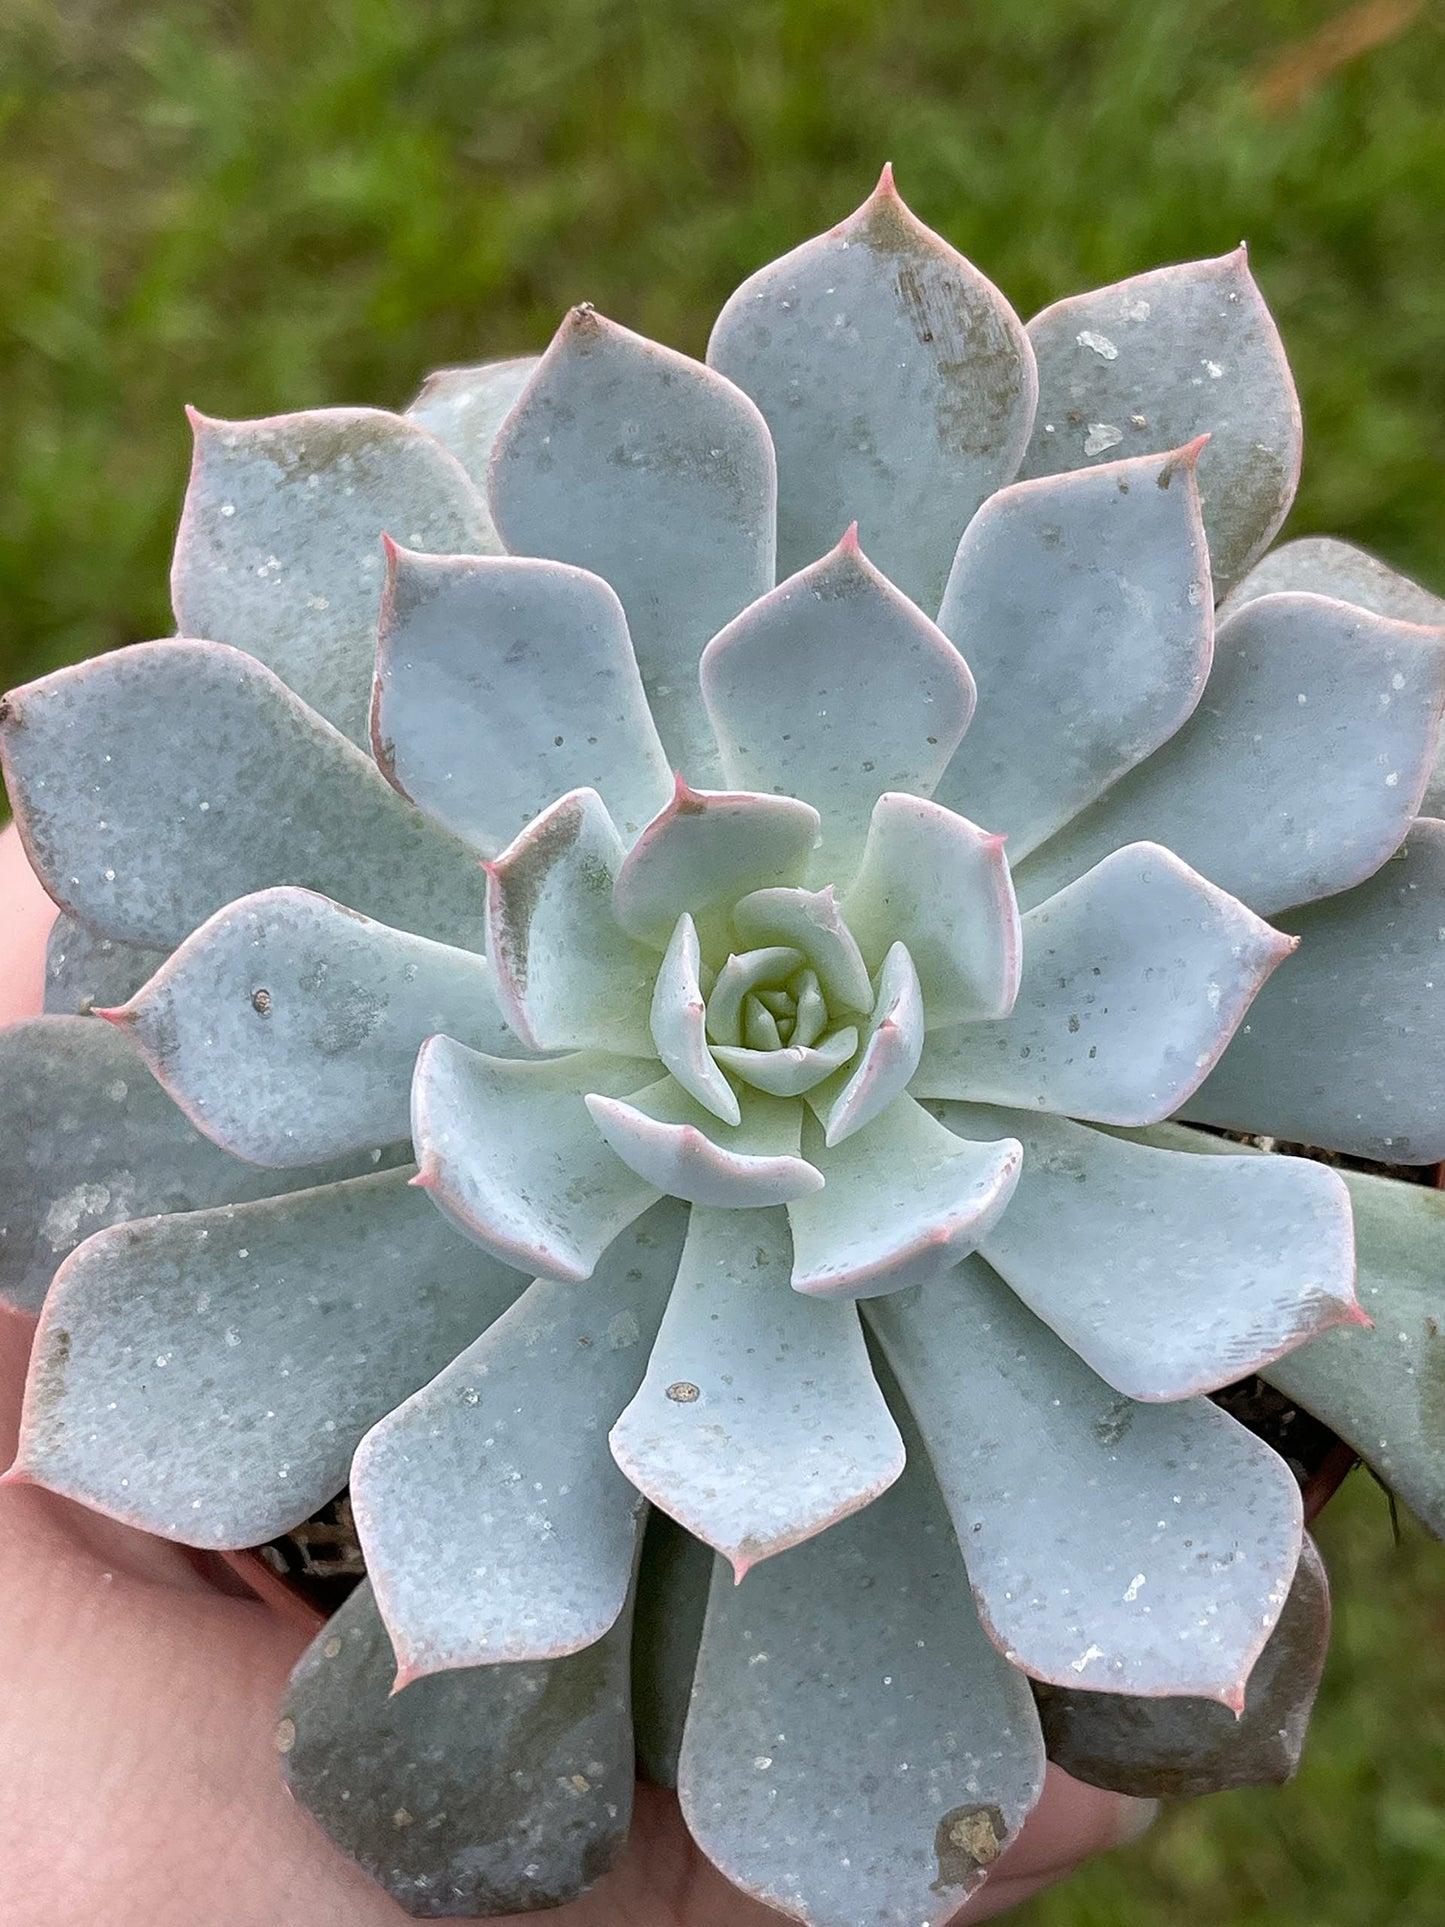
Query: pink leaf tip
(685,799)
(886,183)
(407,1674)
(121,1015)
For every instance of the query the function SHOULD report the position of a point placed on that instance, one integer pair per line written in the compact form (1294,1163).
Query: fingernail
(1135,1819)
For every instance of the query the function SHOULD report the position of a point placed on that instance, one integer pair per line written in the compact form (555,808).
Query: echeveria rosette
(854,1241)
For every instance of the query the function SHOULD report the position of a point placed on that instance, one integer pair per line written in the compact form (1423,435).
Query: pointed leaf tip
(121,1015)
(897,383)
(886,182)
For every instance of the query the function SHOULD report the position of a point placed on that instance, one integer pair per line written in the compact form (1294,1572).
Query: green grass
(286,203)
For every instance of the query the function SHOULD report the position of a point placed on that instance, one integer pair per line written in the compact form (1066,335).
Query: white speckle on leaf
(1102,435)
(1100,344)
(62,1220)
(622,1331)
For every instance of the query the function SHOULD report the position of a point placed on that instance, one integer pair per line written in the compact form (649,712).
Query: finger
(162,1704)
(26,914)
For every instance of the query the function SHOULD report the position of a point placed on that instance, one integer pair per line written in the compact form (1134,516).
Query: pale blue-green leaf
(287,1027)
(792,1069)
(856,1749)
(279,550)
(91,1140)
(1135,978)
(1178,1749)
(653,471)
(156,784)
(1321,565)
(672,1587)
(1168,1277)
(1153,361)
(748,1376)
(743,973)
(83,968)
(810,921)
(893,1044)
(1109,1544)
(568,977)
(510,1155)
(1384,1390)
(678,1021)
(502,682)
(1299,772)
(898,383)
(1083,606)
(489,1791)
(465,407)
(494,1523)
(1380,1389)
(1346,1049)
(941,885)
(207,1376)
(677,1146)
(836,688)
(703,852)
(904,1200)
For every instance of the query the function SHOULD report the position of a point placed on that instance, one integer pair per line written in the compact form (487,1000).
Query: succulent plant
(614,1068)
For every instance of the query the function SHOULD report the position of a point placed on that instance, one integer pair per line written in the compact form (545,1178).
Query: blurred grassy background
(256,205)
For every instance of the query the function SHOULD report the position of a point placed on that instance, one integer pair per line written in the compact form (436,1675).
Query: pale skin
(140,1701)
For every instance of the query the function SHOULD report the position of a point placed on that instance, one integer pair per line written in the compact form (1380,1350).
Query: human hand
(137,1720)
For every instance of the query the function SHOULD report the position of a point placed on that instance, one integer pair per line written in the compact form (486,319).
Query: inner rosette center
(769,1021)
(774,995)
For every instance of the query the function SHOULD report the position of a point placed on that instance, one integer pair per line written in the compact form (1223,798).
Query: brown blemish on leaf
(687,802)
(522,886)
(1430,1379)
(952,313)
(1111,1425)
(968,1841)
